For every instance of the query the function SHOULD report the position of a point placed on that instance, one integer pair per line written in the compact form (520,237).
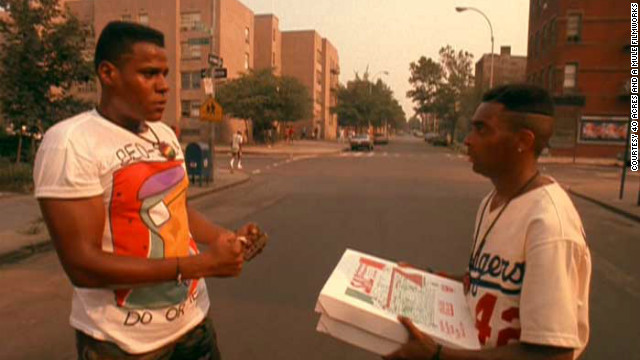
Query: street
(404,201)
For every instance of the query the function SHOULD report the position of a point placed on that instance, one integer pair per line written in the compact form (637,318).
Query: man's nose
(467,140)
(162,86)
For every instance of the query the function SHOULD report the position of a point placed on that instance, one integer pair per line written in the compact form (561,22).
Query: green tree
(362,103)
(263,98)
(443,88)
(44,53)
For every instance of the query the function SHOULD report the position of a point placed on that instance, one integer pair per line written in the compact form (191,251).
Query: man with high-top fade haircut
(112,187)
(527,282)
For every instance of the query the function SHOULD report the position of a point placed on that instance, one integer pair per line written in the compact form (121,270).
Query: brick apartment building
(507,69)
(314,61)
(195,28)
(268,43)
(579,51)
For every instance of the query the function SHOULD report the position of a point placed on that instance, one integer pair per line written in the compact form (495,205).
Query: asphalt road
(404,201)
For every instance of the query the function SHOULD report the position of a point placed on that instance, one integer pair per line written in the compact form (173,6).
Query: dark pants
(199,343)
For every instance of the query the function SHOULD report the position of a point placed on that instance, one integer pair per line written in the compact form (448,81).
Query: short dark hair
(531,108)
(521,98)
(117,38)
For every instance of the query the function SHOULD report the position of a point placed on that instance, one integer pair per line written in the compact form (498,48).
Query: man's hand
(419,347)
(254,240)
(225,256)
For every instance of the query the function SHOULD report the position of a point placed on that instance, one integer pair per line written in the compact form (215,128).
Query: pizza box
(362,298)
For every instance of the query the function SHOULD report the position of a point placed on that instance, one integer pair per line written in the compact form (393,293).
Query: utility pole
(212,129)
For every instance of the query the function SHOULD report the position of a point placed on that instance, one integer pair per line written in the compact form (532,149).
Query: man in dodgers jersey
(112,187)
(529,270)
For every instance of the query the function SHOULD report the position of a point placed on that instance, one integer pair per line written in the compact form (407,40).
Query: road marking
(257,171)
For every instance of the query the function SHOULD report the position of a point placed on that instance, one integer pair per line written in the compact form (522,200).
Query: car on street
(361,141)
(437,139)
(381,139)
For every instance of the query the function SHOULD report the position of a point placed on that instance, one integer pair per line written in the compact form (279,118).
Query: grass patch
(16,177)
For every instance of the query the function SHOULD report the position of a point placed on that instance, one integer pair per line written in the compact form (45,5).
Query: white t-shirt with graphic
(144,196)
(530,282)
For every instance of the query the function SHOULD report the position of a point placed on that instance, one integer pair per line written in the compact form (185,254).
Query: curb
(45,245)
(604,205)
(284,153)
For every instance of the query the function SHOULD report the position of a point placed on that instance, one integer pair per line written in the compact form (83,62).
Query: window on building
(184,107)
(194,48)
(319,77)
(190,108)
(573,27)
(143,19)
(190,21)
(247,37)
(126,17)
(246,61)
(274,35)
(544,41)
(570,76)
(273,59)
(190,80)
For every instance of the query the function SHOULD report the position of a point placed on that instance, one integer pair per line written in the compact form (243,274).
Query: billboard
(603,130)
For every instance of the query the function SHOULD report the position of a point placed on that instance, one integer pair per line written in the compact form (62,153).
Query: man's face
(141,83)
(491,144)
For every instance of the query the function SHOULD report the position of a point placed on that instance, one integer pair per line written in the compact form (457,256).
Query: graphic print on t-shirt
(148,219)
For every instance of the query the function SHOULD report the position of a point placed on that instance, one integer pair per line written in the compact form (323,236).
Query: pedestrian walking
(236,149)
(112,189)
(527,280)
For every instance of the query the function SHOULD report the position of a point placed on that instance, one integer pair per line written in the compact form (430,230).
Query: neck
(508,184)
(108,109)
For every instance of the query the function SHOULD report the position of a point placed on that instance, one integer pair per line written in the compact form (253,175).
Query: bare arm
(76,227)
(204,231)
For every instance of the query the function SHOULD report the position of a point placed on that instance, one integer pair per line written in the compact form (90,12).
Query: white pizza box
(362,298)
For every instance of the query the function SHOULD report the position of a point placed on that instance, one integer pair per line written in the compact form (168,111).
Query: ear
(107,73)
(526,140)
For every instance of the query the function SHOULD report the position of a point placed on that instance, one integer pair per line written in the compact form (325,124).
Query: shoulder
(552,215)
(162,129)
(68,131)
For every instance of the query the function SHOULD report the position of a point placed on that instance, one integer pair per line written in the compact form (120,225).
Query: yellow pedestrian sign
(211,111)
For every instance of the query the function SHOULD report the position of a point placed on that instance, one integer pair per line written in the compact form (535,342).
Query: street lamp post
(463,8)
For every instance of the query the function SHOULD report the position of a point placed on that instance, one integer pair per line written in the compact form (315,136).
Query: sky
(387,35)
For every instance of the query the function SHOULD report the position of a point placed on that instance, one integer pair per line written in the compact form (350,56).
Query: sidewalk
(22,231)
(297,148)
(594,179)
(600,185)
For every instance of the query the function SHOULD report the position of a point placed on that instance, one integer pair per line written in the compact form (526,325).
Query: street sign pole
(212,129)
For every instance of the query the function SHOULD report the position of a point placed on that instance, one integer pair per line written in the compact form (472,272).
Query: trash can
(197,158)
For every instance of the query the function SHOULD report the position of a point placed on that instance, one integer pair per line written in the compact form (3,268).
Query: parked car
(380,138)
(430,136)
(439,140)
(361,141)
